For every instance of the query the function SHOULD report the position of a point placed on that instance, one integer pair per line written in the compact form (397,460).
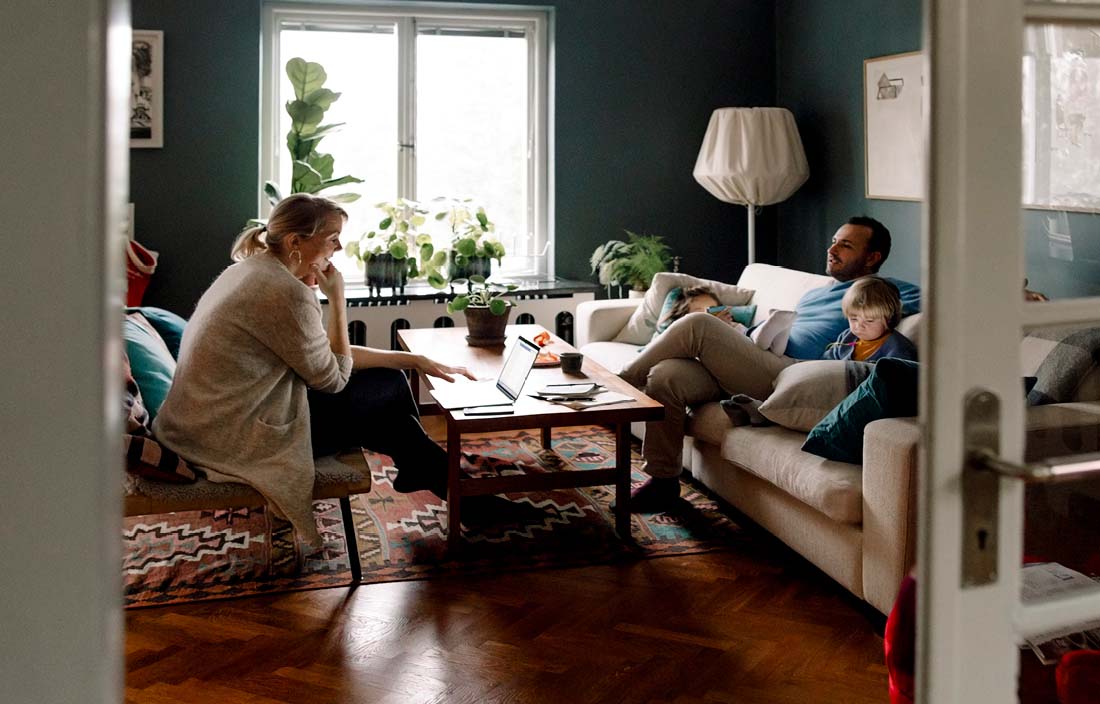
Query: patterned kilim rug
(193,556)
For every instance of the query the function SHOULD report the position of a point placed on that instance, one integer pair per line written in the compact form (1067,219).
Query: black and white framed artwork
(147,89)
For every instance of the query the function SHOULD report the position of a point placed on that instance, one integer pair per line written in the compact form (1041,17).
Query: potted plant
(387,255)
(485,310)
(472,251)
(312,171)
(631,263)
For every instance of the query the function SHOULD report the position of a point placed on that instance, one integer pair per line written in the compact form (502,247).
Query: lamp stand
(752,232)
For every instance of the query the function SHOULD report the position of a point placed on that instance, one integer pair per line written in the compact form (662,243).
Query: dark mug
(571,362)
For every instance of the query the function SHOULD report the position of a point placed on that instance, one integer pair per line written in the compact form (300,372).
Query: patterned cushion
(1068,354)
(807,391)
(147,458)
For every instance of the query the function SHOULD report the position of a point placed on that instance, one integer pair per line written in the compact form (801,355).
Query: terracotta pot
(486,329)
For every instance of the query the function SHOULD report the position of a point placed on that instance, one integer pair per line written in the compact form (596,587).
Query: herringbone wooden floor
(759,625)
(718,627)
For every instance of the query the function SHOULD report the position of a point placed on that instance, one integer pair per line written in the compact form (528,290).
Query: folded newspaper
(1050,579)
(598,397)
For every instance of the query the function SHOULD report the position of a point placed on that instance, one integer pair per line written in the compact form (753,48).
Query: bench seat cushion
(337,476)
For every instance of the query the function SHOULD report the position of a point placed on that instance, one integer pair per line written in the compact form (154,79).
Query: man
(700,358)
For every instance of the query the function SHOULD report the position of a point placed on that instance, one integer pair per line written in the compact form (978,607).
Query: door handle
(1054,469)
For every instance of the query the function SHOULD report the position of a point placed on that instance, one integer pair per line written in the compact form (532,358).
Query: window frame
(536,22)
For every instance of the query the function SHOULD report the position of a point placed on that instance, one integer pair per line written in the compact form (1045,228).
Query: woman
(262,386)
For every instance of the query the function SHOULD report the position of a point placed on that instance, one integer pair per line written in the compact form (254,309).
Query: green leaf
(498,306)
(330,182)
(417,220)
(483,219)
(426,251)
(306,178)
(477,278)
(352,250)
(460,303)
(423,239)
(322,98)
(403,226)
(344,197)
(272,191)
(322,164)
(437,281)
(440,216)
(385,224)
(399,249)
(322,131)
(439,258)
(306,117)
(466,246)
(413,271)
(305,76)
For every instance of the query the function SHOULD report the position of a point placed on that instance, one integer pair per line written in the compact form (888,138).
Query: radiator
(374,321)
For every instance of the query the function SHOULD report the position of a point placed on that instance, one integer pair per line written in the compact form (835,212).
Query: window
(435,103)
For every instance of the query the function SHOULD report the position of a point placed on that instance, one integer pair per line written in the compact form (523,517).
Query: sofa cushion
(777,288)
(151,362)
(1061,358)
(639,329)
(773,454)
(612,355)
(147,458)
(807,391)
(167,324)
(889,392)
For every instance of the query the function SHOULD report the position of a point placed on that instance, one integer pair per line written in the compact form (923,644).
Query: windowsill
(359,294)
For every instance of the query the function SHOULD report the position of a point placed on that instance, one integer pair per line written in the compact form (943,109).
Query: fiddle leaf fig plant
(311,171)
(481,294)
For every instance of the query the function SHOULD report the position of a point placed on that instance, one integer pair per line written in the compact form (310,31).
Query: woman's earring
(293,252)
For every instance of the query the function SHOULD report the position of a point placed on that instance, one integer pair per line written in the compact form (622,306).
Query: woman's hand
(330,281)
(430,367)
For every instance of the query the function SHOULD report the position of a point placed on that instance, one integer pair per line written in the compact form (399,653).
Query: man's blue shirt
(820,318)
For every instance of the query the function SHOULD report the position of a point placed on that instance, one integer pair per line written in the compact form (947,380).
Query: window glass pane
(362,67)
(472,123)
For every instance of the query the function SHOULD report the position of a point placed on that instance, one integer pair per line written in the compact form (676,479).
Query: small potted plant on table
(486,311)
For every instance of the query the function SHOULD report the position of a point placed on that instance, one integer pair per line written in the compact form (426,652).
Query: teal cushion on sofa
(167,324)
(151,363)
(889,392)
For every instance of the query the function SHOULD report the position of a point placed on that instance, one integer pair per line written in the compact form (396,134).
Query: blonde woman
(262,386)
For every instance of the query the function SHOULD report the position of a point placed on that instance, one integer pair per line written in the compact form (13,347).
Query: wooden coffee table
(448,346)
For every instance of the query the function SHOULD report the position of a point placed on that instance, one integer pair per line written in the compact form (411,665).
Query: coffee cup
(571,362)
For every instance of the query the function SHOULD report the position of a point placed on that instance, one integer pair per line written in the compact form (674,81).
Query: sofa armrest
(600,321)
(889,507)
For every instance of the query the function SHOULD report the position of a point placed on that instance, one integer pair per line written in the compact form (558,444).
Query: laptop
(503,390)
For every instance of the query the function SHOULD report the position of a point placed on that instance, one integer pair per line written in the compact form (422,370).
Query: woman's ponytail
(251,241)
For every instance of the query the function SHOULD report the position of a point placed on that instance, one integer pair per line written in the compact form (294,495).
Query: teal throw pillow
(889,392)
(167,324)
(671,299)
(740,314)
(150,361)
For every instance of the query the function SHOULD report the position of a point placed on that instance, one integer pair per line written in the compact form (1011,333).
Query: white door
(970,615)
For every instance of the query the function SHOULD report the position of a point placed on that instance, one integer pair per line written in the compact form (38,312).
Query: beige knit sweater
(237,407)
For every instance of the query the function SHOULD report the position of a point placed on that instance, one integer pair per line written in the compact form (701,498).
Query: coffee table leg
(546,440)
(454,496)
(622,481)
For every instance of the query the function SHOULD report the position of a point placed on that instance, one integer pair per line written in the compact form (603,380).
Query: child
(873,308)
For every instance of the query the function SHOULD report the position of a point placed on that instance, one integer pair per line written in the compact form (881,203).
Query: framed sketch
(893,95)
(147,89)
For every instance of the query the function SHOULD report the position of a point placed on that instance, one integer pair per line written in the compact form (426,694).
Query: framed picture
(893,96)
(147,89)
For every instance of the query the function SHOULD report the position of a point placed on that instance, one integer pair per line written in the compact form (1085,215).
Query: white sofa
(857,526)
(857,523)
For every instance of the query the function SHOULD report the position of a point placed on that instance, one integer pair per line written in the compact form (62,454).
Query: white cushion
(777,288)
(805,392)
(639,329)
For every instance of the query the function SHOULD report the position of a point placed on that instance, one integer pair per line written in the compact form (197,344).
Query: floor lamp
(752,157)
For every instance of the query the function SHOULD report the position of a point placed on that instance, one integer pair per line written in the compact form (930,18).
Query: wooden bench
(338,477)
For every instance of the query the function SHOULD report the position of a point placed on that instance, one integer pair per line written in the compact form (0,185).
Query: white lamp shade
(751,156)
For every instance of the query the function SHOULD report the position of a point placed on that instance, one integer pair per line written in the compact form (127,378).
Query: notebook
(504,389)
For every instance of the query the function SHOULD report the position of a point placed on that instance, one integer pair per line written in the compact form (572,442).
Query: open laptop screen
(517,367)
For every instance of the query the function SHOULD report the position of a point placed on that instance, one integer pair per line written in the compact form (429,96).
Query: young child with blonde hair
(873,308)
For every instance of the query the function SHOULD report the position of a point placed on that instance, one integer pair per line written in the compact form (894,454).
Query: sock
(737,415)
(751,406)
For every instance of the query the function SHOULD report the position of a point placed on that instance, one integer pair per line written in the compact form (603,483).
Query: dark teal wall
(636,81)
(820,48)
(191,196)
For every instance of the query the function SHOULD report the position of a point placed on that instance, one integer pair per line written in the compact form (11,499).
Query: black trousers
(376,410)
